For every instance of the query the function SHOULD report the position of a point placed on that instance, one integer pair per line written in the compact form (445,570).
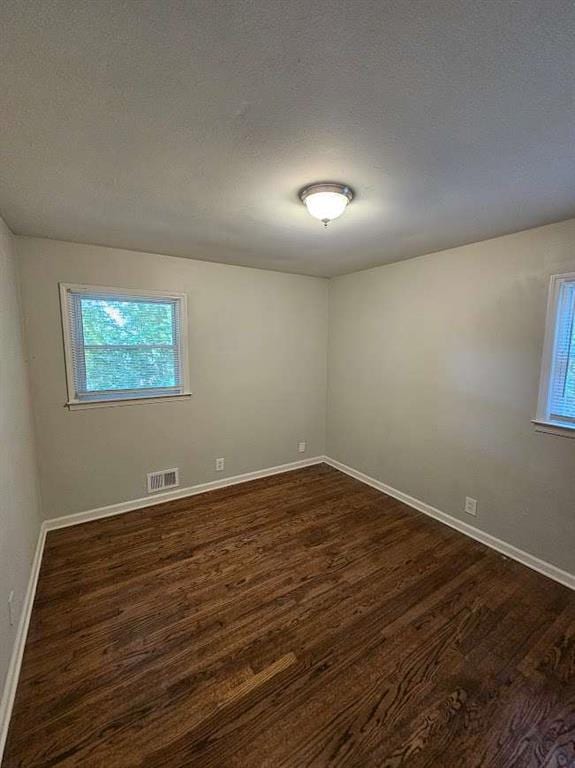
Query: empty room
(287,384)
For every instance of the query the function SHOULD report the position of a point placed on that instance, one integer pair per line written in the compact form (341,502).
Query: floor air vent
(159,481)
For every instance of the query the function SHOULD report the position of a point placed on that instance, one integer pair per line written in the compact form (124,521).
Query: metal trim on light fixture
(328,186)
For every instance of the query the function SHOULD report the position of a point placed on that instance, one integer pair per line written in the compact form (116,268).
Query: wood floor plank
(299,620)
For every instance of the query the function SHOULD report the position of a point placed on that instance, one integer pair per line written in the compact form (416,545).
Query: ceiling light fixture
(326,201)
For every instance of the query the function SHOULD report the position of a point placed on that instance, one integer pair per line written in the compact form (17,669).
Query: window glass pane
(114,369)
(569,402)
(562,384)
(120,321)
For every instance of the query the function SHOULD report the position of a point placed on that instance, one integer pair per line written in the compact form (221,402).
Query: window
(556,409)
(123,345)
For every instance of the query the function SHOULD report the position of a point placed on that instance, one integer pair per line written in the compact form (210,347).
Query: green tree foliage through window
(128,344)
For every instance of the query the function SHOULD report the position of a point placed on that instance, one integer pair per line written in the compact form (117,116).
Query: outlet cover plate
(471,506)
(11,608)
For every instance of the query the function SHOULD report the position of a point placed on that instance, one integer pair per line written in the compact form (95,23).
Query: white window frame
(73,402)
(543,421)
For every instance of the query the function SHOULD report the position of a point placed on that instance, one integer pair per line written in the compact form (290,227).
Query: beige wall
(258,374)
(433,379)
(19,501)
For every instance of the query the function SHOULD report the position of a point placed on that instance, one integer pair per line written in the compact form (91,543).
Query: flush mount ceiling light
(326,201)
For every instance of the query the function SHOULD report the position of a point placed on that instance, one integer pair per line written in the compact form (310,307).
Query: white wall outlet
(471,506)
(220,465)
(301,446)
(11,616)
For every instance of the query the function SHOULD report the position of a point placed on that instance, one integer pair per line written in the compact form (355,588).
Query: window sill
(84,405)
(552,428)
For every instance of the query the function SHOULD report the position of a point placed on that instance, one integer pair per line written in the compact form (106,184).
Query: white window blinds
(122,345)
(557,396)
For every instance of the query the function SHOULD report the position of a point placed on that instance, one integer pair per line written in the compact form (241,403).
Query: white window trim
(542,421)
(73,403)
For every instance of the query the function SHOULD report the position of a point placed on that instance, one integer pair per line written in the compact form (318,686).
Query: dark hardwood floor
(300,620)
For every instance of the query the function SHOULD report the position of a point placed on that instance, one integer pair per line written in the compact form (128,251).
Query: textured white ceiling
(187,127)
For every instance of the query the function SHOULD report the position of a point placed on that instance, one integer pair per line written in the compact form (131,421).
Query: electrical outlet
(301,446)
(220,465)
(11,608)
(471,506)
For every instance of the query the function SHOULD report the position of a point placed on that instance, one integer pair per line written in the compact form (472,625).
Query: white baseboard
(178,493)
(535,563)
(15,664)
